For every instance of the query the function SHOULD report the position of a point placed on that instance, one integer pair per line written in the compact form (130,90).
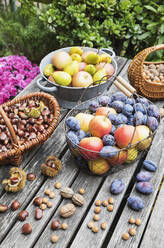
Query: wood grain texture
(15,237)
(51,147)
(155,154)
(153,237)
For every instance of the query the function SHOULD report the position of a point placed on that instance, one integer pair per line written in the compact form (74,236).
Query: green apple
(48,70)
(76,56)
(92,58)
(75,50)
(84,120)
(72,68)
(62,78)
(101,74)
(61,59)
(90,68)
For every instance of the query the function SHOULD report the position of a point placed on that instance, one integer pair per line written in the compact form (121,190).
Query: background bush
(126,25)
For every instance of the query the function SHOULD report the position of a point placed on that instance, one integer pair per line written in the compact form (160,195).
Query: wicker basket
(14,156)
(137,79)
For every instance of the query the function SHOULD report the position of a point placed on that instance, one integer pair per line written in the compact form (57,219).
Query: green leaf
(150,8)
(143,36)
(162,28)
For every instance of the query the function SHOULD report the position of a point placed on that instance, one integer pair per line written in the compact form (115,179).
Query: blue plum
(143,176)
(73,138)
(149,165)
(130,101)
(108,152)
(119,96)
(104,100)
(93,106)
(108,140)
(152,123)
(131,120)
(144,187)
(113,130)
(140,107)
(153,111)
(117,186)
(118,106)
(128,110)
(112,117)
(81,134)
(73,123)
(135,202)
(142,100)
(144,122)
(138,118)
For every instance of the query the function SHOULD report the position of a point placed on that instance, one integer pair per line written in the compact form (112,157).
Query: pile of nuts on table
(29,119)
(154,73)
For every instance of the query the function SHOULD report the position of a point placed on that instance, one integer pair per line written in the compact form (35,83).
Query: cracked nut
(45,200)
(57,185)
(96,217)
(138,222)
(3,208)
(78,200)
(43,206)
(47,191)
(111,200)
(49,204)
(110,208)
(67,210)
(95,229)
(52,195)
(105,203)
(67,192)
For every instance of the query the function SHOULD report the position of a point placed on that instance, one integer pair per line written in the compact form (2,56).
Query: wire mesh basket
(130,124)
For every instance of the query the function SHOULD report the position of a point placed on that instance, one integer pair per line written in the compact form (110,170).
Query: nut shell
(46,169)
(66,192)
(78,200)
(67,210)
(3,208)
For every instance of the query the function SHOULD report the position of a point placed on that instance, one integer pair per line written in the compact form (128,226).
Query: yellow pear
(62,78)
(76,56)
(105,58)
(75,50)
(90,68)
(143,136)
(92,58)
(48,70)
(101,74)
(72,68)
(132,155)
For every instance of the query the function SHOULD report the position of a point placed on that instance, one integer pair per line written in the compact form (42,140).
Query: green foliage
(24,35)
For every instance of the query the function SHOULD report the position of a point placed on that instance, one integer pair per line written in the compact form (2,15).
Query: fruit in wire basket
(143,134)
(105,111)
(99,166)
(119,158)
(132,155)
(99,126)
(94,144)
(84,120)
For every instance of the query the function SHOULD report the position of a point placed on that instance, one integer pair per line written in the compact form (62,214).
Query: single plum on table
(144,187)
(135,203)
(117,186)
(143,176)
(73,123)
(149,165)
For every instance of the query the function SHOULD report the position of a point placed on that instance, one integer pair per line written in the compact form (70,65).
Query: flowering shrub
(16,72)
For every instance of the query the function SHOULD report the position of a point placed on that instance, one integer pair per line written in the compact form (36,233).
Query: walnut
(78,199)
(67,210)
(66,192)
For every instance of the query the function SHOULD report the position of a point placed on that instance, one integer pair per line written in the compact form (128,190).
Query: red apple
(105,111)
(107,66)
(82,79)
(126,134)
(94,144)
(82,65)
(99,126)
(119,158)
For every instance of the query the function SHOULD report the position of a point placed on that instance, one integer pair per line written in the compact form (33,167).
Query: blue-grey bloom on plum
(128,110)
(138,118)
(117,186)
(108,152)
(73,138)
(144,187)
(149,165)
(118,106)
(143,176)
(104,100)
(135,203)
(152,123)
(119,96)
(93,106)
(108,140)
(73,123)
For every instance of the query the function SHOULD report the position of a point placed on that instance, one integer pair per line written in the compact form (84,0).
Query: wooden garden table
(149,234)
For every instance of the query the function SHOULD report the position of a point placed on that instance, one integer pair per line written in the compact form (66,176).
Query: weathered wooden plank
(15,237)
(153,237)
(50,147)
(155,154)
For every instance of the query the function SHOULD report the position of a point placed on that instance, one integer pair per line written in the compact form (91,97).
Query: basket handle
(10,127)
(143,54)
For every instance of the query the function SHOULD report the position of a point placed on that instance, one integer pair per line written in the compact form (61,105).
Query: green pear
(48,70)
(72,68)
(75,50)
(101,74)
(90,68)
(62,78)
(92,58)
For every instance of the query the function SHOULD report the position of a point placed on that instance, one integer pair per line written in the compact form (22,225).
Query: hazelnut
(52,195)
(57,185)
(54,238)
(43,206)
(131,220)
(97,210)
(132,231)
(105,203)
(138,222)
(45,200)
(96,217)
(111,200)
(37,201)
(26,228)
(31,176)
(15,205)
(95,229)
(126,236)
(98,203)
(23,215)
(49,204)
(110,208)
(47,191)
(81,191)
(90,224)
(55,224)
(64,226)
(103,225)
